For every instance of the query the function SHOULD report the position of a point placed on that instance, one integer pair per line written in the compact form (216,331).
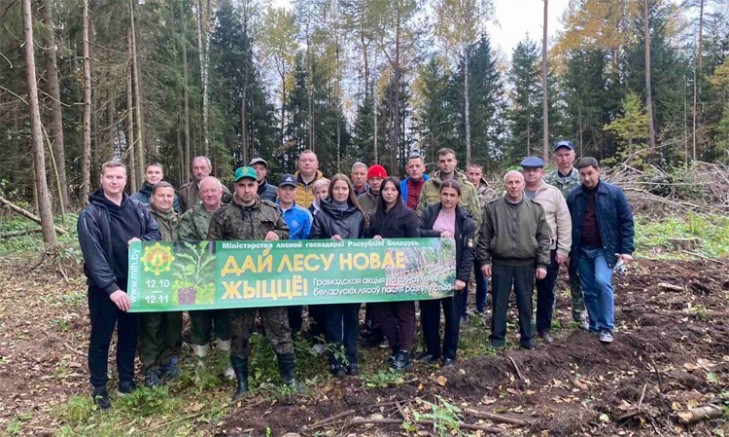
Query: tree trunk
(44,199)
(545,89)
(202,36)
(130,134)
(55,93)
(244,126)
(187,160)
(467,107)
(137,98)
(86,161)
(697,75)
(648,92)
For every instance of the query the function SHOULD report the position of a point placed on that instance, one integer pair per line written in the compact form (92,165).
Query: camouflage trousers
(160,338)
(205,321)
(275,323)
(578,299)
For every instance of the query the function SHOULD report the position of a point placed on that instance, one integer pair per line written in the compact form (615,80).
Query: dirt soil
(671,353)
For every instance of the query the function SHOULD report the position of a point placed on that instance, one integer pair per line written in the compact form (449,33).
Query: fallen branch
(642,395)
(700,413)
(671,287)
(698,255)
(20,233)
(27,214)
(381,421)
(496,418)
(66,345)
(658,375)
(518,372)
(326,421)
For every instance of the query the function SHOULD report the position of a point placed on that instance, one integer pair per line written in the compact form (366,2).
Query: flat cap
(532,162)
(258,161)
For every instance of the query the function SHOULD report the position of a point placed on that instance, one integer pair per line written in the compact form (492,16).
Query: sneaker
(400,362)
(125,388)
(427,358)
(584,324)
(152,379)
(338,371)
(448,362)
(352,370)
(606,336)
(100,395)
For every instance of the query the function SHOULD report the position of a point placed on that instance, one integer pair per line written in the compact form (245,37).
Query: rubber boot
(287,368)
(240,368)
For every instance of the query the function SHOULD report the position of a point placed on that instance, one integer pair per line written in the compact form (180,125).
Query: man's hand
(460,285)
(132,240)
(626,258)
(486,270)
(541,273)
(121,300)
(561,259)
(377,237)
(271,236)
(337,237)
(446,234)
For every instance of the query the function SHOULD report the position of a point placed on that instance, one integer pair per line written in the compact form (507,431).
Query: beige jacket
(558,218)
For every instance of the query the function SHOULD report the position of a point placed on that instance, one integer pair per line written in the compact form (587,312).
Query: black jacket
(94,236)
(267,191)
(330,221)
(465,231)
(399,222)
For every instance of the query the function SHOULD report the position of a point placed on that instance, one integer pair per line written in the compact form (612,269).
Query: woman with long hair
(447,219)
(340,217)
(393,219)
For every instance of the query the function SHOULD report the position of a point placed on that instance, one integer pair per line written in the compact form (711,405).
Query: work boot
(338,371)
(287,368)
(401,361)
(100,395)
(352,369)
(152,379)
(240,368)
(125,388)
(547,336)
(170,371)
(374,339)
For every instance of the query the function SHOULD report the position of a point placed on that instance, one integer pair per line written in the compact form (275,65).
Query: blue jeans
(595,279)
(482,288)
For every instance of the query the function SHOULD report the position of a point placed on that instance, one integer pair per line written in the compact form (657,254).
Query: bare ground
(671,354)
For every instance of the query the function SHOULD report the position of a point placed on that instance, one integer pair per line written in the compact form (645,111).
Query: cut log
(700,413)
(496,418)
(667,286)
(27,214)
(685,243)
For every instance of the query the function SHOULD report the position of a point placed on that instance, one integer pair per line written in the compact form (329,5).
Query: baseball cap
(245,172)
(258,161)
(377,171)
(563,143)
(532,162)
(287,179)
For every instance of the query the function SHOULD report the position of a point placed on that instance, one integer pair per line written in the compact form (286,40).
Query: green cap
(245,172)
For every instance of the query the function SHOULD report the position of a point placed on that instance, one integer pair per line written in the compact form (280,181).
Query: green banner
(183,276)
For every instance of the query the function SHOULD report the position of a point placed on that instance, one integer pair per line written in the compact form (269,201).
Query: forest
(642,85)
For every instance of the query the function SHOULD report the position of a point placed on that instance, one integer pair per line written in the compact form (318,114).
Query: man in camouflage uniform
(566,178)
(160,334)
(447,170)
(248,217)
(474,172)
(194,225)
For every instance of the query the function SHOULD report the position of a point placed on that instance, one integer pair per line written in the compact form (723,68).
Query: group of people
(568,217)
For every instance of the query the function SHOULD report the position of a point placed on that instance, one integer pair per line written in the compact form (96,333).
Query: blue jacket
(614,220)
(404,187)
(298,220)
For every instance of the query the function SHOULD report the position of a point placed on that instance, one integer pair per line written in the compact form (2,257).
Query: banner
(183,276)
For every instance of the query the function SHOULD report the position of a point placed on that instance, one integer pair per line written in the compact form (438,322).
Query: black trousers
(343,329)
(105,316)
(545,294)
(502,278)
(317,322)
(430,321)
(295,318)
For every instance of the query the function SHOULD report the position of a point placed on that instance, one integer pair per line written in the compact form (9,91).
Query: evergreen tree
(525,114)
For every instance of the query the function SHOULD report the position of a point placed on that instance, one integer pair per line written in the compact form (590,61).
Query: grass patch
(652,237)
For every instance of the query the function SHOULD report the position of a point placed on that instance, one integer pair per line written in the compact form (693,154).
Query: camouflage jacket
(368,202)
(167,224)
(237,222)
(469,197)
(485,194)
(194,224)
(565,184)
